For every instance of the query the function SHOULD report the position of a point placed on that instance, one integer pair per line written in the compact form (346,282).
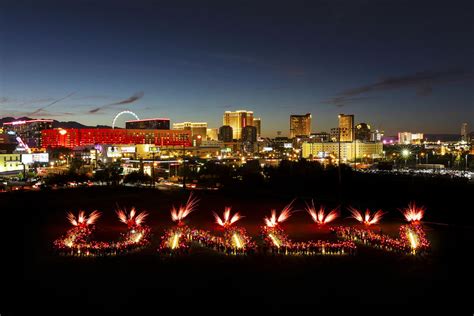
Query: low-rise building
(10,163)
(350,151)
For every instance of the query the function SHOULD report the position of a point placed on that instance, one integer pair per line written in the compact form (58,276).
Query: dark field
(210,282)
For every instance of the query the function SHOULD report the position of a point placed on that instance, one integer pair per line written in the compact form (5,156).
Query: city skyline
(181,62)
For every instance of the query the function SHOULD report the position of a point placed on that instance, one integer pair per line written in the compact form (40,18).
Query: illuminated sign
(267,148)
(30,158)
(18,122)
(322,154)
(114,152)
(287,145)
(129,149)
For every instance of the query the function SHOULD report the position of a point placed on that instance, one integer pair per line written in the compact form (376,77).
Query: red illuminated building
(73,137)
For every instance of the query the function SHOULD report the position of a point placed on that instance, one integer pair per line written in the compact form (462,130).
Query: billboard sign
(31,158)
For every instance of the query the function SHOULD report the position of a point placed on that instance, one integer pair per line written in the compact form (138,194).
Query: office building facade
(350,151)
(73,137)
(237,120)
(257,122)
(29,130)
(346,127)
(226,134)
(153,123)
(300,125)
(249,134)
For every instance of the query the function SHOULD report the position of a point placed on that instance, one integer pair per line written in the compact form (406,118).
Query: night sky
(397,65)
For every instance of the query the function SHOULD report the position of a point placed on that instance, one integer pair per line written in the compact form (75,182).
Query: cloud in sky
(41,109)
(423,83)
(133,98)
(341,101)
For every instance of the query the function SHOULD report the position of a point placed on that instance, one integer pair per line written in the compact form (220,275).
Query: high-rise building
(346,127)
(300,125)
(225,133)
(212,134)
(152,123)
(29,131)
(249,134)
(407,138)
(362,132)
(404,138)
(7,143)
(376,135)
(198,129)
(257,122)
(464,132)
(237,120)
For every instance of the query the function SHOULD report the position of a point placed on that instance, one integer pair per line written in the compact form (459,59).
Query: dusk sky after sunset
(400,66)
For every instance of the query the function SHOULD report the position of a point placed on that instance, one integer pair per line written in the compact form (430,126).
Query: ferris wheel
(121,113)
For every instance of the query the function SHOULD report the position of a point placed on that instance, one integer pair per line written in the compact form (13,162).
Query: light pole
(184,166)
(339,159)
(24,171)
(405,154)
(153,168)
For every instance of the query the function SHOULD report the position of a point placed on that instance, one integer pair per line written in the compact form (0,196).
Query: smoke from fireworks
(284,215)
(226,220)
(320,217)
(367,219)
(414,213)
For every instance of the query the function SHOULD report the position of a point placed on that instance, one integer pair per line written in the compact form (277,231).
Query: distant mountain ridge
(56,123)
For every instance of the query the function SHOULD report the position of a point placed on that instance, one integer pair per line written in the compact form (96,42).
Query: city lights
(238,157)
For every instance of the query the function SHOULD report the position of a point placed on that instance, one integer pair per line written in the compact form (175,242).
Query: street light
(405,154)
(153,151)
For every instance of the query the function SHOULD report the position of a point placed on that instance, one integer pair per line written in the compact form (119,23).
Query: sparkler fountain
(236,239)
(137,234)
(177,239)
(277,240)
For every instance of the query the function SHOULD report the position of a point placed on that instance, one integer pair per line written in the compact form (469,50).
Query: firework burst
(133,218)
(177,215)
(82,220)
(367,218)
(414,213)
(226,221)
(275,220)
(320,217)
